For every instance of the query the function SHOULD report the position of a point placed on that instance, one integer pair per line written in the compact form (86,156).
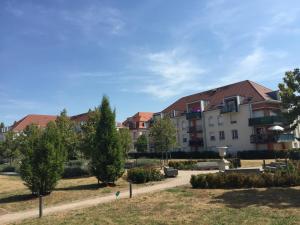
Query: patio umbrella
(276,128)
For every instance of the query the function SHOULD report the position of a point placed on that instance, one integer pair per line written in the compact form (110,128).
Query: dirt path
(182,179)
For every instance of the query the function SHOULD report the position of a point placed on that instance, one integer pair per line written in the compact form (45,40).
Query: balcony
(196,142)
(271,138)
(193,115)
(229,109)
(266,120)
(195,129)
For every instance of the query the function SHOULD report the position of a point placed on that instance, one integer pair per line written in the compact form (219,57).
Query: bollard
(130,190)
(40,206)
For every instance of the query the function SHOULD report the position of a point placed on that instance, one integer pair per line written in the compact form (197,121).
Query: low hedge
(191,164)
(9,169)
(183,165)
(176,155)
(75,171)
(143,175)
(237,180)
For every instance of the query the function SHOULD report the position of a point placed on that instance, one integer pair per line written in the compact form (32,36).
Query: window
(220,120)
(235,134)
(212,136)
(221,135)
(210,121)
(184,140)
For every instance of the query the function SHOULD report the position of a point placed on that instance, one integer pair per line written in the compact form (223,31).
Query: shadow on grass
(279,198)
(17,198)
(94,186)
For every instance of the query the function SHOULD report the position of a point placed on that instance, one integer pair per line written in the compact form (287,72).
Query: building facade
(241,116)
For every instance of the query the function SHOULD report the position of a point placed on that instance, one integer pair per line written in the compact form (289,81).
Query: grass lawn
(190,206)
(255,163)
(15,196)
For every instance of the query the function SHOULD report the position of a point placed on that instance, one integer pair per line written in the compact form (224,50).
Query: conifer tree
(107,158)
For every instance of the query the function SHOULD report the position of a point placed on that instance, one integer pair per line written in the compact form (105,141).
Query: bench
(170,172)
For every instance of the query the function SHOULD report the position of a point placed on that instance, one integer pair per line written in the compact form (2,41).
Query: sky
(143,55)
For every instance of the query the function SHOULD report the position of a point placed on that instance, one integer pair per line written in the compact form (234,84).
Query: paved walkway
(183,178)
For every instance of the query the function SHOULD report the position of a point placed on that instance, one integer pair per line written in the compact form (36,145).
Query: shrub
(177,155)
(8,169)
(236,180)
(183,165)
(198,181)
(143,175)
(75,171)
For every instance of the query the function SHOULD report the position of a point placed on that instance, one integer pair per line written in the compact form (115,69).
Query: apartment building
(241,116)
(138,124)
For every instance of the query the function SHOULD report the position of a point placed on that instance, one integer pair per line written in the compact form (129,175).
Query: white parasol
(276,128)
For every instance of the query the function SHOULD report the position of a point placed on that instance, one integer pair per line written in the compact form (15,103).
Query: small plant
(143,175)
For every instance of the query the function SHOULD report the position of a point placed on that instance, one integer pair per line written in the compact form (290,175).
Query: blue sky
(144,55)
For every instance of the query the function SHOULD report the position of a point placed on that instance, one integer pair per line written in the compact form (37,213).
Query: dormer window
(230,104)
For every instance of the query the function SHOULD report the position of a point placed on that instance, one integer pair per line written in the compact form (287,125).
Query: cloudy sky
(144,55)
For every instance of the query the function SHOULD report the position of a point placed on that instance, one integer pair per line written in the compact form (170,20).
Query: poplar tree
(107,158)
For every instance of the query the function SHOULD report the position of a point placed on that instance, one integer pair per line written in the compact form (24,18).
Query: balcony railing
(193,115)
(195,129)
(271,138)
(228,109)
(265,120)
(196,142)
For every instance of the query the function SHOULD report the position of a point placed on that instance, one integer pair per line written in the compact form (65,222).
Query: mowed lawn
(278,206)
(15,196)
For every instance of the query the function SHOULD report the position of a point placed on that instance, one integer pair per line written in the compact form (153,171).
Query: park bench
(170,172)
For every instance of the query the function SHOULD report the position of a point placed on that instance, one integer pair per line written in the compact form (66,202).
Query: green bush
(237,180)
(8,169)
(183,165)
(75,171)
(143,175)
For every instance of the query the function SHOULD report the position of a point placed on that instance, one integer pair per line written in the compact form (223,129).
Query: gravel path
(183,178)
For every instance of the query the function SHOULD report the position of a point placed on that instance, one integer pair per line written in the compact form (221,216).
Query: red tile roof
(139,117)
(246,89)
(80,117)
(40,120)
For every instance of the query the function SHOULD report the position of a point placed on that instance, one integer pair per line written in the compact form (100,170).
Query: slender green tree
(43,158)
(125,140)
(141,144)
(88,132)
(163,135)
(107,158)
(70,138)
(290,96)
(10,146)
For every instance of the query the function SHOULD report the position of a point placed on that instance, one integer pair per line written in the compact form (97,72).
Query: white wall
(181,125)
(241,125)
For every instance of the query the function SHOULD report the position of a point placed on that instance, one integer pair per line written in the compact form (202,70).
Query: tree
(68,134)
(43,158)
(10,146)
(163,135)
(290,96)
(88,132)
(1,125)
(107,158)
(125,140)
(141,143)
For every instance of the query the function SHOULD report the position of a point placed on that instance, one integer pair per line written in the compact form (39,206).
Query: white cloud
(94,19)
(258,65)
(173,72)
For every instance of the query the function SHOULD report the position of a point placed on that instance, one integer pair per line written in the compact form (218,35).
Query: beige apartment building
(241,116)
